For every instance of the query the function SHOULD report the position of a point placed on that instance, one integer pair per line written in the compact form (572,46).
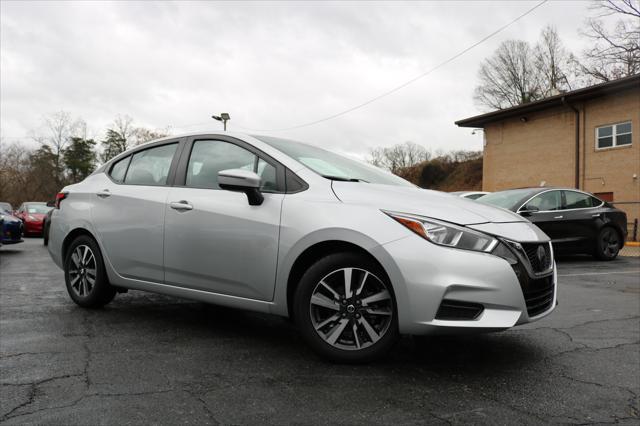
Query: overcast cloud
(269,64)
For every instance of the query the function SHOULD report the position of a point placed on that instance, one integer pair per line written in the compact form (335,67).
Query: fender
(279,305)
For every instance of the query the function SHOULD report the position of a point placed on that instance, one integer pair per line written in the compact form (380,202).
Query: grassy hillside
(458,171)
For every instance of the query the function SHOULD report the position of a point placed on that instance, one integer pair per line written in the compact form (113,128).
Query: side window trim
(182,167)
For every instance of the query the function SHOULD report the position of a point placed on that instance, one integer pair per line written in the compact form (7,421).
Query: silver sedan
(356,256)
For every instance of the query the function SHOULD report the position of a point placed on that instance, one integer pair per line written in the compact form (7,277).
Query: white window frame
(614,135)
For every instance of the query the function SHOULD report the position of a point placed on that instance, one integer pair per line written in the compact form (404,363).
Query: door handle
(181,205)
(595,215)
(104,193)
(558,217)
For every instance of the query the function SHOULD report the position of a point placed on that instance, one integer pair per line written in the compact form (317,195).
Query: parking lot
(147,358)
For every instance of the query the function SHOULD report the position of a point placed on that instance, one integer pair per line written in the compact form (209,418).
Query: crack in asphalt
(599,321)
(205,406)
(33,391)
(29,353)
(78,400)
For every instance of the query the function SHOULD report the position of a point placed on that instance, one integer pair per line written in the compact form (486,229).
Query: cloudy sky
(271,65)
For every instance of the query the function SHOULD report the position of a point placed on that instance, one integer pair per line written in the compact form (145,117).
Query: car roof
(255,140)
(533,191)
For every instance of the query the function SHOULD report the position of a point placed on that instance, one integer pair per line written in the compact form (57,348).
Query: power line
(376,98)
(401,86)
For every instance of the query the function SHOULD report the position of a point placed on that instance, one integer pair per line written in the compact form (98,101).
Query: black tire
(45,233)
(78,277)
(385,326)
(608,244)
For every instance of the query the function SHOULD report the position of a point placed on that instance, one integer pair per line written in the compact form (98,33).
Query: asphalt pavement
(149,358)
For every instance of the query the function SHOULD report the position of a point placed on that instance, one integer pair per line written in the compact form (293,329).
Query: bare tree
(399,156)
(123,134)
(143,135)
(123,127)
(12,172)
(54,135)
(614,52)
(26,174)
(630,8)
(517,73)
(508,78)
(553,63)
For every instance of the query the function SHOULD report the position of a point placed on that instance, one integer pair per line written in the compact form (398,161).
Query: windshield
(38,208)
(506,199)
(333,166)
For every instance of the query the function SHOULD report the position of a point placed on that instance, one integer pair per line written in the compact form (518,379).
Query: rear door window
(151,166)
(578,200)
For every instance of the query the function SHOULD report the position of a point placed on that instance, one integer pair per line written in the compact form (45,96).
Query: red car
(32,215)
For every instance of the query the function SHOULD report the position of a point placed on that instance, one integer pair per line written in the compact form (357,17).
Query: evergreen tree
(79,158)
(113,145)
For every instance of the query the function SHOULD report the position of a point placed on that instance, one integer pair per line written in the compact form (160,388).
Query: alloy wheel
(610,244)
(351,308)
(82,271)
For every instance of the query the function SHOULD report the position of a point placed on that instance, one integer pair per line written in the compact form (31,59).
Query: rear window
(578,200)
(119,169)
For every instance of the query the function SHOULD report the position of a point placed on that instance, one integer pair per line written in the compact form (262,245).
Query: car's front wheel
(45,233)
(608,244)
(345,308)
(84,273)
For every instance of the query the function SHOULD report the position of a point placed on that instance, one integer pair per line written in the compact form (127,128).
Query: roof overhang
(578,95)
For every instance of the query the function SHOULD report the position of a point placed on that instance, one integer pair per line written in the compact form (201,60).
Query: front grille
(539,256)
(538,293)
(453,310)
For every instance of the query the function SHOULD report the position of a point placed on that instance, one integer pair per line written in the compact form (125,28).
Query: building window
(613,135)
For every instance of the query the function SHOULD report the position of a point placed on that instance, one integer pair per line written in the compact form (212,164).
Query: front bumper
(11,232)
(424,274)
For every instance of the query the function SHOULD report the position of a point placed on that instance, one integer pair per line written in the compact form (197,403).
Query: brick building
(585,139)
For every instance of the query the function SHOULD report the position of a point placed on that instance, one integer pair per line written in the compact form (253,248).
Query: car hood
(10,219)
(423,202)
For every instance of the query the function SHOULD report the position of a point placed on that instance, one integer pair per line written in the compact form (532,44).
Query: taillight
(59,197)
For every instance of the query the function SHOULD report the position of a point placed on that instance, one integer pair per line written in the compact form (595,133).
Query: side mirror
(240,180)
(528,209)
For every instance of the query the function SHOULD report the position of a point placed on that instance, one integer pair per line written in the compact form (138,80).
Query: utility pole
(224,117)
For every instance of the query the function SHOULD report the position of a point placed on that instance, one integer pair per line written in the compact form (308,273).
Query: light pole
(224,117)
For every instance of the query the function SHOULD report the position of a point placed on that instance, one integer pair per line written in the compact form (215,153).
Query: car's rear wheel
(608,244)
(345,308)
(84,273)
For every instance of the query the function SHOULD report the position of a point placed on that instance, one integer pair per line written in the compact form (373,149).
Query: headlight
(446,234)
